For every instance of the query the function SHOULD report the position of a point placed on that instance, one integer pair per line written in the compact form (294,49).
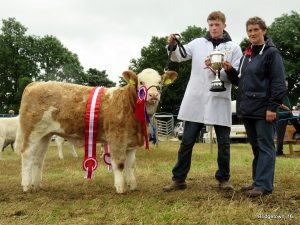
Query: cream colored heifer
(59,108)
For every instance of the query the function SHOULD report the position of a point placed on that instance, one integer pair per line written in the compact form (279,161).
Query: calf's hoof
(120,190)
(26,188)
(132,186)
(36,188)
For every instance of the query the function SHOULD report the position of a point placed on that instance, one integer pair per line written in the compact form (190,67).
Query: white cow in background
(8,130)
(60,142)
(7,143)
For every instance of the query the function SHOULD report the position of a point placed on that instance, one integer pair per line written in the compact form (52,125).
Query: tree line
(26,58)
(284,31)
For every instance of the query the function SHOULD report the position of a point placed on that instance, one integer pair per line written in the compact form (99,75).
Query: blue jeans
(260,134)
(183,165)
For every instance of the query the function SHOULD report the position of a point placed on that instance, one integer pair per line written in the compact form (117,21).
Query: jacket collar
(259,49)
(226,37)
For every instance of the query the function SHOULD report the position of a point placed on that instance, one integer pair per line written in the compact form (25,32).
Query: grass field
(67,198)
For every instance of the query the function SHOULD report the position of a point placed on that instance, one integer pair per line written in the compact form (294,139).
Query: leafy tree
(285,33)
(155,56)
(95,77)
(24,59)
(244,44)
(14,62)
(55,62)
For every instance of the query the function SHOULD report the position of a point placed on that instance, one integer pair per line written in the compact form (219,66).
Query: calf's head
(153,81)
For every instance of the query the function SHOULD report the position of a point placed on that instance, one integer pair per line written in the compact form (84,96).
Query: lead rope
(172,48)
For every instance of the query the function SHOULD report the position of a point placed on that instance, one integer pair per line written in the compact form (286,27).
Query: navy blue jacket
(261,83)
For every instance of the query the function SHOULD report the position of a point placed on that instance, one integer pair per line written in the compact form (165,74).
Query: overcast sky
(106,35)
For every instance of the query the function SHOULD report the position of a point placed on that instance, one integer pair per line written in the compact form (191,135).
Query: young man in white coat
(200,105)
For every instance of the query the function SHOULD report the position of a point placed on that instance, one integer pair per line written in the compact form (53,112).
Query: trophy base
(217,86)
(217,89)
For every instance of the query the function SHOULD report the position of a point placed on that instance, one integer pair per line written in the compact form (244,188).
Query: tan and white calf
(49,108)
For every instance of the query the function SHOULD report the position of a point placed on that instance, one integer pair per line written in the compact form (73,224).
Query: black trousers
(183,165)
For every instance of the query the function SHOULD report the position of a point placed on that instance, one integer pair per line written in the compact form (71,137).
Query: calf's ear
(169,77)
(130,77)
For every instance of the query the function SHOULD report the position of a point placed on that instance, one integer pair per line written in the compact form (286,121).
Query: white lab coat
(199,104)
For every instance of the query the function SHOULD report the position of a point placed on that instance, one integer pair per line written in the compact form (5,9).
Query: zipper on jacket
(242,92)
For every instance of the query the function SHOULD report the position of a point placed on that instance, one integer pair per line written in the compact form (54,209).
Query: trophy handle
(214,71)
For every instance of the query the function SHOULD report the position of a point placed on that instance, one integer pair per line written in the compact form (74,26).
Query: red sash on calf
(91,124)
(90,162)
(107,157)
(140,111)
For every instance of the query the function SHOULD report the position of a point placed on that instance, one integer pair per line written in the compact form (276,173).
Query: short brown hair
(256,20)
(217,15)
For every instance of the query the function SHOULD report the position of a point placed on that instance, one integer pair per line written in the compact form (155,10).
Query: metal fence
(7,115)
(164,125)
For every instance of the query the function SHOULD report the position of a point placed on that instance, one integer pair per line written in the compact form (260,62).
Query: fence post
(210,139)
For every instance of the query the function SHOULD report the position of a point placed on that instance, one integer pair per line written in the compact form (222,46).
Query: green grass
(67,198)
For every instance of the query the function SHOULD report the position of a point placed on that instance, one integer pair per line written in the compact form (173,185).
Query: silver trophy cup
(216,59)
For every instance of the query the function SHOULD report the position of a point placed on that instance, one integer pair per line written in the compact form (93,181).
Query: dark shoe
(247,188)
(256,192)
(174,186)
(226,186)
